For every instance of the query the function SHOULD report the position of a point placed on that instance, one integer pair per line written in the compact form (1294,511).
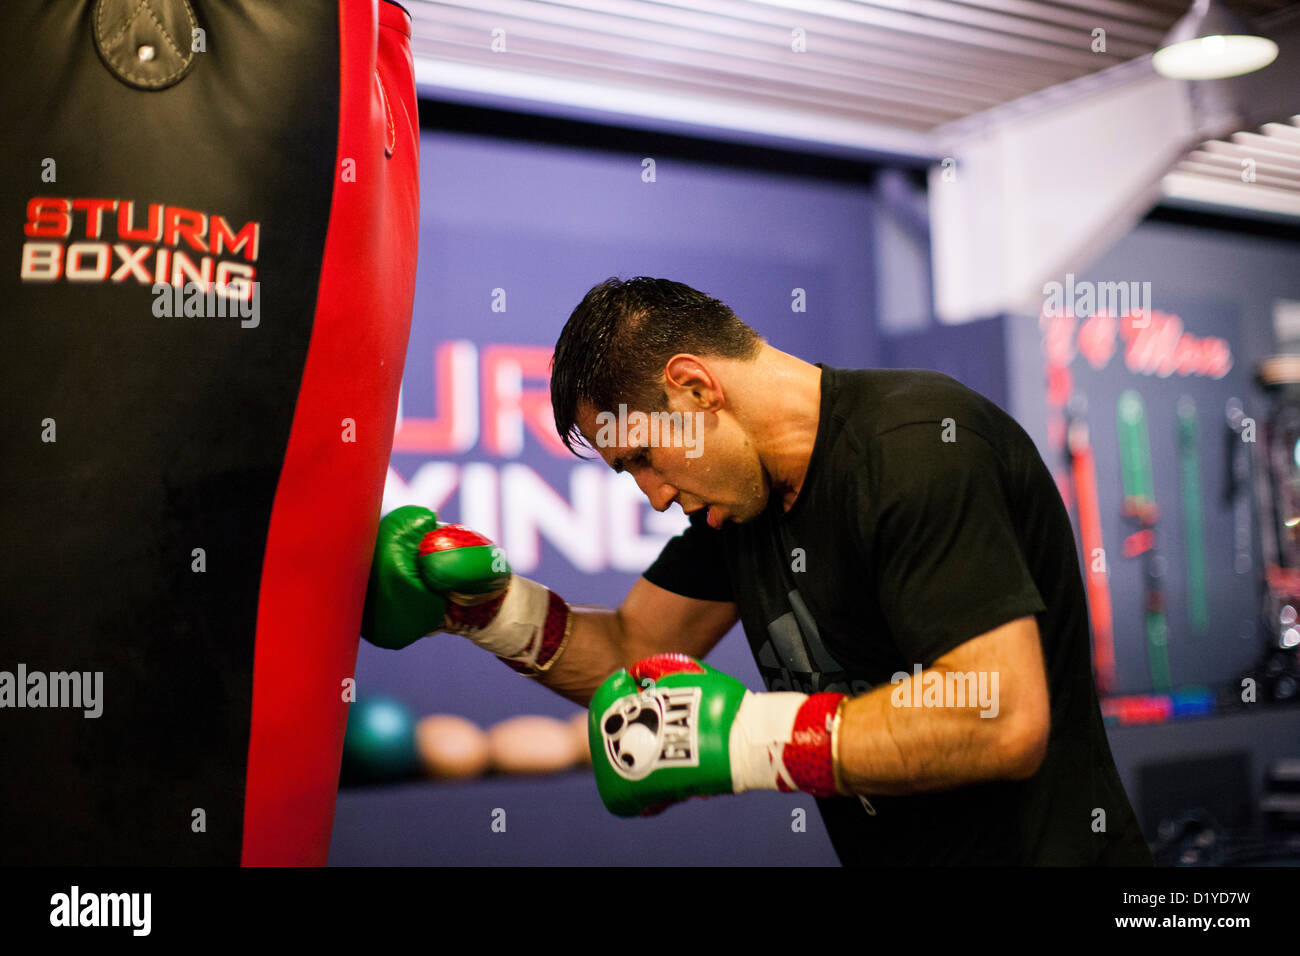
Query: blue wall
(974,353)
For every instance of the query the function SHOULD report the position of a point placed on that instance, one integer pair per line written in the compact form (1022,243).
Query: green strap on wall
(1135,467)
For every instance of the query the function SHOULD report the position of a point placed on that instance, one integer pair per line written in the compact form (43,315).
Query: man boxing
(898,555)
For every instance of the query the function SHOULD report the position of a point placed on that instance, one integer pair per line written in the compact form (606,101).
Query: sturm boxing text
(101,240)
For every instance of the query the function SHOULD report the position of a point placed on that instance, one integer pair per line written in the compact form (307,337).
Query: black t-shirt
(926,518)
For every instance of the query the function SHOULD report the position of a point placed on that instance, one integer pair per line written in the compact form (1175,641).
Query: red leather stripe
(660,665)
(451,536)
(808,756)
(326,510)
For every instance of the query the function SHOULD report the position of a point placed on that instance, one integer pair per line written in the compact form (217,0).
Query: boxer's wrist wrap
(554,639)
(786,742)
(810,755)
(527,626)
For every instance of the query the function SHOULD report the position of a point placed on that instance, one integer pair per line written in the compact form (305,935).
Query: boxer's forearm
(595,649)
(890,749)
(650,620)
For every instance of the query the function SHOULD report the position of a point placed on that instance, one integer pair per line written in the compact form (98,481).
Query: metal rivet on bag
(145,53)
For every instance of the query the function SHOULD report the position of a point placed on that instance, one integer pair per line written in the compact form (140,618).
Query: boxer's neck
(777,400)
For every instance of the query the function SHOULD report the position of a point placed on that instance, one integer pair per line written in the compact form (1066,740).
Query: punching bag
(208,228)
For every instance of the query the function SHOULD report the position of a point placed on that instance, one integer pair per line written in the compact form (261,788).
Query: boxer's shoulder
(880,406)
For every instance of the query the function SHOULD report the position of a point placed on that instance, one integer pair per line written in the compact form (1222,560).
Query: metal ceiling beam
(1222,161)
(743,57)
(540,60)
(1200,192)
(1046,43)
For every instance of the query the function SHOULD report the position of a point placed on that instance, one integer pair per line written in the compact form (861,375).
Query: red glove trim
(661,665)
(808,757)
(451,536)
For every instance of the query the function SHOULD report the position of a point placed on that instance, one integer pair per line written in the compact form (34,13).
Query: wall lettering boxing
(494,399)
(512,396)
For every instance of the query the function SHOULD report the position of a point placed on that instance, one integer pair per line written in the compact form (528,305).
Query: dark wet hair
(617,341)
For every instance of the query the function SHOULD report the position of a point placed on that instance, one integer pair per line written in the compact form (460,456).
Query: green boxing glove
(401,604)
(672,727)
(427,576)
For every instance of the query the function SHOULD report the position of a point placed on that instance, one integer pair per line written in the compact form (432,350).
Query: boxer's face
(701,460)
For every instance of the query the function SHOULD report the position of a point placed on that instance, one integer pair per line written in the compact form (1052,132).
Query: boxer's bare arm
(1000,732)
(649,621)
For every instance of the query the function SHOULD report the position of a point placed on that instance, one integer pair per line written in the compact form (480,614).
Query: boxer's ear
(691,375)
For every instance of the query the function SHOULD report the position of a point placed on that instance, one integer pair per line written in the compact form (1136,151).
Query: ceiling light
(1210,43)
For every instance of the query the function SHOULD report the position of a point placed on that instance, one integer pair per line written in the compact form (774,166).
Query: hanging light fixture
(1210,43)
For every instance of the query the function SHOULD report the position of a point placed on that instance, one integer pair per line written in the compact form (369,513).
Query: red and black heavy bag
(190,482)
